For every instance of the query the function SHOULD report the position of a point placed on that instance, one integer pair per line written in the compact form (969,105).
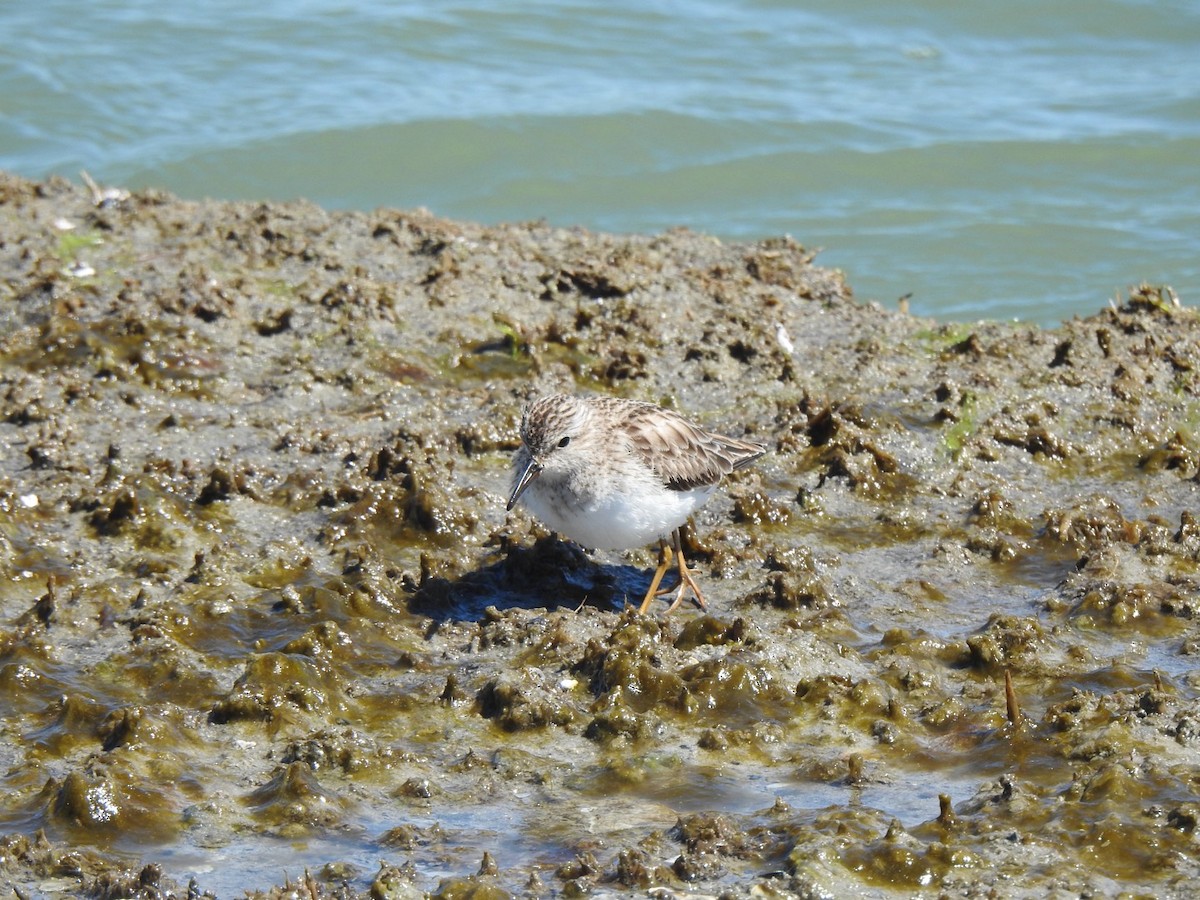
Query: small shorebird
(614,474)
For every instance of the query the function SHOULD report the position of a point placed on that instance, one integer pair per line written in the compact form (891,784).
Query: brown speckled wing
(684,455)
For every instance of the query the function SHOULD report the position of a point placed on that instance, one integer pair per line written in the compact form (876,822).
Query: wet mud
(266,628)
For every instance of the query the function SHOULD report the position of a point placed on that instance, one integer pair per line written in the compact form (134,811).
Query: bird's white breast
(640,513)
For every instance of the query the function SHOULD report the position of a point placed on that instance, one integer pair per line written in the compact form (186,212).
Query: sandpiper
(614,474)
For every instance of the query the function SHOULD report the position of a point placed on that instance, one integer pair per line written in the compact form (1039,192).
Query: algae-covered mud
(266,627)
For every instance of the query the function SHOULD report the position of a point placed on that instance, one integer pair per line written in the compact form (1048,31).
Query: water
(992,160)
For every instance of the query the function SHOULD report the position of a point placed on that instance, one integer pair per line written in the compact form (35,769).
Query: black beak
(532,471)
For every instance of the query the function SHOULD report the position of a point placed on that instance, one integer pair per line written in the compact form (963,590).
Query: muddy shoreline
(266,627)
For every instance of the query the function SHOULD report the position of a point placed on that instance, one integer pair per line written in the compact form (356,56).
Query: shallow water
(991,161)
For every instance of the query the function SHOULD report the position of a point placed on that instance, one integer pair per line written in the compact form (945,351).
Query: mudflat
(266,627)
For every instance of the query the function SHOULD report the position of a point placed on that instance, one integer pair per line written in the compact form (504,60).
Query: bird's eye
(564,442)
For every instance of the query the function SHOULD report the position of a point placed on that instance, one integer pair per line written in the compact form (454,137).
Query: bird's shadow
(547,574)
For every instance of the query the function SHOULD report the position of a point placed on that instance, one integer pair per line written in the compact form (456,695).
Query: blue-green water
(1022,159)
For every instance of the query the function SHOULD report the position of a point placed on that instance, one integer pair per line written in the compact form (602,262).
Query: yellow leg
(686,580)
(664,560)
(685,577)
